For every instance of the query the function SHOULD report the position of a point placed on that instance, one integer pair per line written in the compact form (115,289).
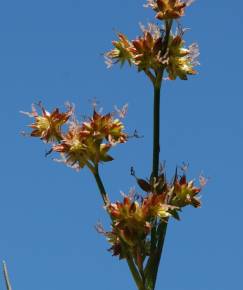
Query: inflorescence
(83,143)
(158,49)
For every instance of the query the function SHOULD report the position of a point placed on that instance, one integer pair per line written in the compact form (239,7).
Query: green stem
(161,233)
(156,129)
(100,185)
(152,266)
(168,26)
(136,276)
(157,88)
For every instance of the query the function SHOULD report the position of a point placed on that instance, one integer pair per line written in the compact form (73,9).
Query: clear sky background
(50,50)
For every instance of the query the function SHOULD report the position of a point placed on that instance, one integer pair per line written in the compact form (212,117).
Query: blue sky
(51,51)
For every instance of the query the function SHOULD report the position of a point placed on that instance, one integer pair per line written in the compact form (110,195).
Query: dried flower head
(133,221)
(83,144)
(105,127)
(47,126)
(181,60)
(88,143)
(153,52)
(134,218)
(121,53)
(178,193)
(79,149)
(168,9)
(147,49)
(144,52)
(185,193)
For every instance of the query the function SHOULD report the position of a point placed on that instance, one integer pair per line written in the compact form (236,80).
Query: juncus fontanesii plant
(139,221)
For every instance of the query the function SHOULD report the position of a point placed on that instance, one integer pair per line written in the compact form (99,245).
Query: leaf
(175,214)
(106,158)
(144,185)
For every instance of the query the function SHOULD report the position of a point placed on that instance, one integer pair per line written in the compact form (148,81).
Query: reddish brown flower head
(143,52)
(185,193)
(105,127)
(88,143)
(132,221)
(121,53)
(153,53)
(180,60)
(147,49)
(178,193)
(168,9)
(47,126)
(79,148)
(83,144)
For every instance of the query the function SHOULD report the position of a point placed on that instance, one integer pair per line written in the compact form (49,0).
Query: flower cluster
(47,126)
(151,51)
(184,193)
(158,49)
(144,52)
(133,220)
(168,9)
(181,60)
(85,143)
(121,53)
(88,143)
(147,49)
(132,223)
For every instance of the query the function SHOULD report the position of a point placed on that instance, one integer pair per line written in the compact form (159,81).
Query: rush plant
(139,221)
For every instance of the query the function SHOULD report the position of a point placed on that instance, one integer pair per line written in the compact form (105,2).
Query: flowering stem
(136,276)
(157,87)
(156,146)
(150,75)
(152,266)
(100,185)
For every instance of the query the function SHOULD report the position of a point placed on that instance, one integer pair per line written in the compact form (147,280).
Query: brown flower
(143,52)
(147,49)
(88,143)
(79,148)
(47,126)
(121,53)
(168,9)
(181,60)
(134,217)
(151,52)
(132,221)
(185,193)
(105,127)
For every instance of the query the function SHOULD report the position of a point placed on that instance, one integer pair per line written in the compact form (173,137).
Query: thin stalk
(161,233)
(157,83)
(100,185)
(156,128)
(150,75)
(6,277)
(152,266)
(136,276)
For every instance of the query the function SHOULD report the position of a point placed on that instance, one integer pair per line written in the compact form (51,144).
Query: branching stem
(136,276)
(100,185)
(152,266)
